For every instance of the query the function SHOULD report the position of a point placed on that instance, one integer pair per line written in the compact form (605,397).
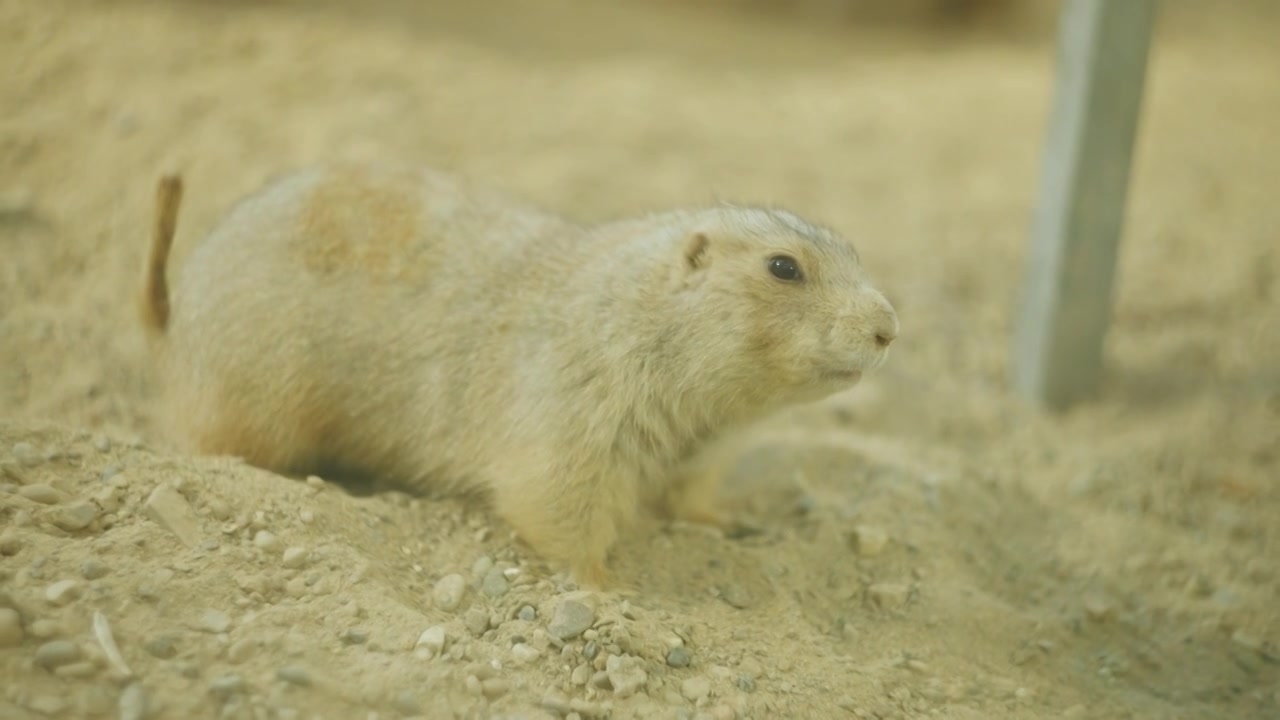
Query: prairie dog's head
(789,302)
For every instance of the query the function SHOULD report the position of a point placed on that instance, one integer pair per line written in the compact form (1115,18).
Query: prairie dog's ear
(696,256)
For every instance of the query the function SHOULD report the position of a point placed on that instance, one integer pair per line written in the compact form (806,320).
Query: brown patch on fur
(362,220)
(155,298)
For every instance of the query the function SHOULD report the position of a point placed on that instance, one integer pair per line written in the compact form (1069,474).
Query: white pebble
(294,558)
(449,591)
(525,653)
(626,674)
(695,688)
(431,640)
(63,591)
(133,703)
(42,493)
(215,621)
(870,540)
(888,595)
(265,540)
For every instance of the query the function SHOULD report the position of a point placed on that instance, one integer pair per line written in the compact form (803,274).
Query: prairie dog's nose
(884,322)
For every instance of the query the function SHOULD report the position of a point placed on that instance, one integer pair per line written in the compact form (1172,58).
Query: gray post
(1066,303)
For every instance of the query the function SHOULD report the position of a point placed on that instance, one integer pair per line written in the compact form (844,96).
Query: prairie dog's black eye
(784,267)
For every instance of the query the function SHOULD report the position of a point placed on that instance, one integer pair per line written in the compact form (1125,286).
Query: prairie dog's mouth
(843,375)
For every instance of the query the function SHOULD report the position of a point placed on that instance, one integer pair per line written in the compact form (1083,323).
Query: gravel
(432,640)
(160,646)
(294,675)
(215,621)
(626,675)
(169,509)
(133,704)
(477,621)
(870,540)
(76,516)
(449,591)
(525,653)
(295,558)
(888,596)
(93,568)
(570,620)
(224,687)
(64,591)
(695,688)
(678,657)
(495,583)
(42,493)
(11,634)
(26,454)
(56,653)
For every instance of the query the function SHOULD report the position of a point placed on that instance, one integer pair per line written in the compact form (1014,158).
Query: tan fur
(396,322)
(155,298)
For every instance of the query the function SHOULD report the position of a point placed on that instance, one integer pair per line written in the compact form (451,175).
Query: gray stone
(571,619)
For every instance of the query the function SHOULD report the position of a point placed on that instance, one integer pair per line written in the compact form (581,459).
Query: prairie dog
(397,322)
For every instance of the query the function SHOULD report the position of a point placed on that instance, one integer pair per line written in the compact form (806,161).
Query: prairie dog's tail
(155,295)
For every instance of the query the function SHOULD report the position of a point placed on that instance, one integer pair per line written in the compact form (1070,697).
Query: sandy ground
(927,547)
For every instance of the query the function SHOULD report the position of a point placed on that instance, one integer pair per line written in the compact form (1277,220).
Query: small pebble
(571,618)
(495,583)
(215,621)
(76,516)
(161,646)
(42,493)
(354,636)
(477,621)
(432,640)
(168,508)
(888,595)
(294,674)
(48,704)
(225,686)
(57,653)
(266,540)
(406,703)
(63,591)
(10,544)
(93,568)
(11,633)
(580,674)
(525,653)
(695,688)
(449,591)
(481,567)
(45,628)
(473,685)
(678,657)
(133,703)
(870,540)
(102,443)
(556,703)
(26,454)
(1097,607)
(626,674)
(294,558)
(527,613)
(82,669)
(494,687)
(240,651)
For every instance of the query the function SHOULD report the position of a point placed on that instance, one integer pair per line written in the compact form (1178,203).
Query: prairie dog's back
(321,298)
